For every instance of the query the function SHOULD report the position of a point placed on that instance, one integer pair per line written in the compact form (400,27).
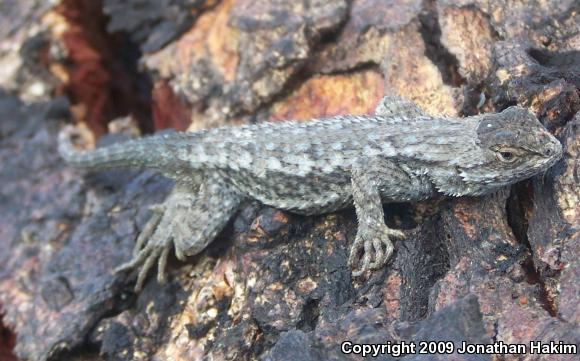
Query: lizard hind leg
(187,222)
(157,238)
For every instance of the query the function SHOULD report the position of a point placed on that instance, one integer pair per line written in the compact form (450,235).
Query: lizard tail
(155,152)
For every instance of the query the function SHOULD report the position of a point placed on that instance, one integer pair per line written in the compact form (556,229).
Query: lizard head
(515,146)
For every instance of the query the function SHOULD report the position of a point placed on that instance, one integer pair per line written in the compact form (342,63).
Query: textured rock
(54,284)
(98,70)
(243,53)
(23,50)
(153,24)
(544,86)
(468,35)
(514,19)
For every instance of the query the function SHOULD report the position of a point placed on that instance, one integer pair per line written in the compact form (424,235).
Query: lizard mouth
(549,152)
(548,161)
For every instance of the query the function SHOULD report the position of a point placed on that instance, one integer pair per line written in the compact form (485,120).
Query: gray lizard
(399,154)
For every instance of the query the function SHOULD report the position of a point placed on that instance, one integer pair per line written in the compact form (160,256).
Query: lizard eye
(506,156)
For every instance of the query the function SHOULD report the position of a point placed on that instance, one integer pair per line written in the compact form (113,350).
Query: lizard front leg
(186,221)
(372,246)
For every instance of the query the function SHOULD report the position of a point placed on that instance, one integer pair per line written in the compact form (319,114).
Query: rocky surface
(498,268)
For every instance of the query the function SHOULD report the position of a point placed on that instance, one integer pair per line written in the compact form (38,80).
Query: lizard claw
(153,245)
(372,251)
(145,259)
(167,229)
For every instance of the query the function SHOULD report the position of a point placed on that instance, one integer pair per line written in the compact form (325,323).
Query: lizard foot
(167,226)
(373,249)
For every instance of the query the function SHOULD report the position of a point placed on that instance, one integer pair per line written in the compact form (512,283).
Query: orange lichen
(392,295)
(355,93)
(211,38)
(222,42)
(464,214)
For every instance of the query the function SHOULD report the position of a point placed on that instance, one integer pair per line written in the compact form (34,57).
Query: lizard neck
(452,184)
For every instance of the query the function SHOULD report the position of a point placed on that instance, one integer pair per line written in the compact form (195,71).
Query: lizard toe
(383,249)
(371,251)
(147,265)
(156,250)
(147,232)
(162,264)
(137,260)
(395,233)
(355,250)
(360,256)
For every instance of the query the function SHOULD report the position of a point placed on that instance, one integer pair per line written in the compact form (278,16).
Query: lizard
(397,154)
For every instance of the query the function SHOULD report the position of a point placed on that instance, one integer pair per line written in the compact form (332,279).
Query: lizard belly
(319,193)
(418,188)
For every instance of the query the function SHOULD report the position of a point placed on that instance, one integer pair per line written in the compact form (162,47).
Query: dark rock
(152,24)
